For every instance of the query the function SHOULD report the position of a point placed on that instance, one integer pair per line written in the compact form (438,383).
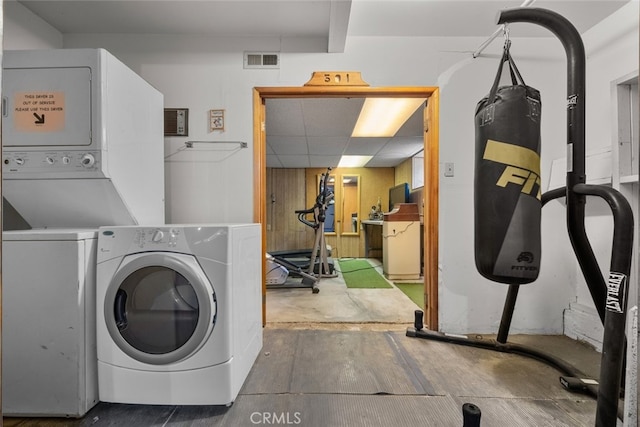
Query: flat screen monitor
(398,194)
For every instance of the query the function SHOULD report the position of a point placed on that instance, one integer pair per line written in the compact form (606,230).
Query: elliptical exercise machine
(281,264)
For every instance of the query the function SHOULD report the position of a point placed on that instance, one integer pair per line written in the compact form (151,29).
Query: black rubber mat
(321,378)
(339,362)
(347,411)
(467,371)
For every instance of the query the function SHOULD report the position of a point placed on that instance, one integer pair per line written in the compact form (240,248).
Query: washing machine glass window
(160,307)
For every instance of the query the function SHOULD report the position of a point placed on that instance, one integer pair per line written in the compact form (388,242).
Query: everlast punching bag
(507,196)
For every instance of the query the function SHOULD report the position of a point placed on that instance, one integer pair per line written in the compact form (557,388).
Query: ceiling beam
(338,25)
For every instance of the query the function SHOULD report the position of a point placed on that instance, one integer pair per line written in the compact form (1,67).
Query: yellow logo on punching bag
(522,165)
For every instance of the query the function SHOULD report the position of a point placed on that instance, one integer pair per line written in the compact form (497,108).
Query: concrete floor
(335,303)
(337,307)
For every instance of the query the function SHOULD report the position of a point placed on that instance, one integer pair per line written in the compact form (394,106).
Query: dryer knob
(88,160)
(157,236)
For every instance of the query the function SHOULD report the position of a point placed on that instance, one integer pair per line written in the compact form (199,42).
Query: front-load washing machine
(179,312)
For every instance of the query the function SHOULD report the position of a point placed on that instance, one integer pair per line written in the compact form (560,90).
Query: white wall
(24,30)
(200,73)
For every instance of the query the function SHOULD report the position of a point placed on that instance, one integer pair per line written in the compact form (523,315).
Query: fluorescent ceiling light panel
(354,161)
(382,117)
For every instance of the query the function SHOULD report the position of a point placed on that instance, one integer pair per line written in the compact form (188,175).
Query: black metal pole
(507,313)
(613,342)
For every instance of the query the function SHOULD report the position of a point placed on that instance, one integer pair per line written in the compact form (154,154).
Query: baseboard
(582,323)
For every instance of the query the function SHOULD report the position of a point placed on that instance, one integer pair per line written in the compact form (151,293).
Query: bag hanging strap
(516,77)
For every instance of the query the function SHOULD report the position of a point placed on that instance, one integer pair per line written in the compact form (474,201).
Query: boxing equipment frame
(610,297)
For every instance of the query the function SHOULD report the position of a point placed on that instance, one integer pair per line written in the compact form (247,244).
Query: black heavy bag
(507,192)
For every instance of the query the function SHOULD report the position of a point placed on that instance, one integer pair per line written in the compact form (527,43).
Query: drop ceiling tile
(294,161)
(327,144)
(365,146)
(284,117)
(329,122)
(385,161)
(285,145)
(324,161)
(334,118)
(414,126)
(273,161)
(404,146)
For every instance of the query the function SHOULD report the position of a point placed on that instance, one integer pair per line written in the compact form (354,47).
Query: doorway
(431,181)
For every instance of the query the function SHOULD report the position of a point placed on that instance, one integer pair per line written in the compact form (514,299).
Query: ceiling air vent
(261,60)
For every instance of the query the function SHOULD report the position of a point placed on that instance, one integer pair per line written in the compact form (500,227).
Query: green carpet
(359,273)
(415,291)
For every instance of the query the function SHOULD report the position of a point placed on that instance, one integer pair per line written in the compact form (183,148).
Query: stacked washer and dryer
(83,149)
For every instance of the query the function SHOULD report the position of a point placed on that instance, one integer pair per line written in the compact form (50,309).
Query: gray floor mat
(321,378)
(340,362)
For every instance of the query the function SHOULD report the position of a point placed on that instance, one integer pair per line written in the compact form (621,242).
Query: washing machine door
(160,307)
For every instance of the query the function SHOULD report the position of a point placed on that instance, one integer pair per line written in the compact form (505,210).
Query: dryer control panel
(156,237)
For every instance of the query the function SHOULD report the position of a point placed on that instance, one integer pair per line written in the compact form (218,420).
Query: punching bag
(507,195)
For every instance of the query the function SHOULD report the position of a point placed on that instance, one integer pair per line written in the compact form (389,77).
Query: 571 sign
(38,111)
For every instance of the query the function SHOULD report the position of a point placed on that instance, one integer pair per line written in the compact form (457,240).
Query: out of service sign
(38,111)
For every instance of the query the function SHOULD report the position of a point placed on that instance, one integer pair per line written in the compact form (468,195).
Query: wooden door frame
(431,169)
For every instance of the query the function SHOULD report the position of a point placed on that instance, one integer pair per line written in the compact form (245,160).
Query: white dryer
(179,312)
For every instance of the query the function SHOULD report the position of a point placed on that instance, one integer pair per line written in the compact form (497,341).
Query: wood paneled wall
(289,190)
(374,183)
(404,173)
(286,193)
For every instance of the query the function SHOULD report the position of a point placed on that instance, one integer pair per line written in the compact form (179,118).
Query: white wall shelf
(598,168)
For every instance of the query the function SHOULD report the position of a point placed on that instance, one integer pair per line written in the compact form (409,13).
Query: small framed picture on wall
(216,120)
